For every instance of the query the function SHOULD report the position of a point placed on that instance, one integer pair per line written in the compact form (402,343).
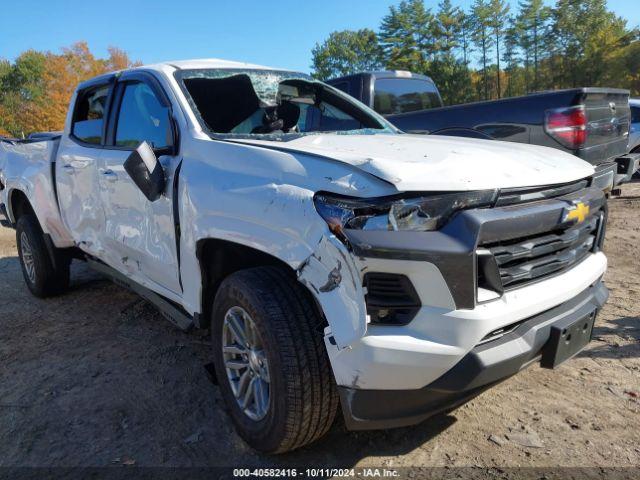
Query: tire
(45,276)
(636,175)
(302,399)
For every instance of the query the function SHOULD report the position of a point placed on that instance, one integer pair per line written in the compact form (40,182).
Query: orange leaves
(47,110)
(3,131)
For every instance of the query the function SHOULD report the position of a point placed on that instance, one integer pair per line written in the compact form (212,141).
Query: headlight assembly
(421,213)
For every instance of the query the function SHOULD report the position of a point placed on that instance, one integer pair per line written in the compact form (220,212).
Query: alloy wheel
(27,257)
(246,364)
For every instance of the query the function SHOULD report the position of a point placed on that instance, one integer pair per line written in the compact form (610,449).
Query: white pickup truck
(336,260)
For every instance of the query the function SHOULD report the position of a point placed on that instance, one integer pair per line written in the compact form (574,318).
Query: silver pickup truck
(336,260)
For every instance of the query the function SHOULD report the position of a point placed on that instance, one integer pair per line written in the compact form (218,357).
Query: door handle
(69,169)
(110,175)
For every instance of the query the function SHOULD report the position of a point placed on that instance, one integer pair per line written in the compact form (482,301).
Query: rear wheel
(270,359)
(46,272)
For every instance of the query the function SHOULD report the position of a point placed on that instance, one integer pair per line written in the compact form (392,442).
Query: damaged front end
(331,271)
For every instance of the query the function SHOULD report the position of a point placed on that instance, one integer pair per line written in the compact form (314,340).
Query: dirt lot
(97,377)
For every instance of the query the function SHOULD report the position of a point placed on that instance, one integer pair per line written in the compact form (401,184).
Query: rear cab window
(89,115)
(403,95)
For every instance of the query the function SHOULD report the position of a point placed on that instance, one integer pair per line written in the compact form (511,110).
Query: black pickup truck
(591,123)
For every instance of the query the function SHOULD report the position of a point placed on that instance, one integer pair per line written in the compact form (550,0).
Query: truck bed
(522,120)
(591,123)
(28,166)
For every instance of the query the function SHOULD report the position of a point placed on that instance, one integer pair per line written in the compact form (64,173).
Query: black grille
(528,259)
(390,298)
(522,195)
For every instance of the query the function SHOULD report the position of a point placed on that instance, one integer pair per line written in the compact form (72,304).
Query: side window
(88,117)
(402,95)
(142,117)
(635,114)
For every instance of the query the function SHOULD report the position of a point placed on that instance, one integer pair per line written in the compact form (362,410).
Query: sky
(276,33)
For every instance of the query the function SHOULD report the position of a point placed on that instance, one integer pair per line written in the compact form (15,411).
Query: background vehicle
(634,130)
(591,123)
(333,258)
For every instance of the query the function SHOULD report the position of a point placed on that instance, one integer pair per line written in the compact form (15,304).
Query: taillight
(567,125)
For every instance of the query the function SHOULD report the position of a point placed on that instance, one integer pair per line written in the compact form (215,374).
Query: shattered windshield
(273,105)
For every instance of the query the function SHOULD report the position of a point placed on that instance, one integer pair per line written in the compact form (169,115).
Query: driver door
(139,235)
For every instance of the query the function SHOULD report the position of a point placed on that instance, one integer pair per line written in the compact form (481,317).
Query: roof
(200,63)
(386,74)
(211,63)
(634,102)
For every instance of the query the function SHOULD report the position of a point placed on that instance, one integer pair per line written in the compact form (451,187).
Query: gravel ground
(97,377)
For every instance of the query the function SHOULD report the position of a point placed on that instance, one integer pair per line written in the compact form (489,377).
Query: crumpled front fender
(332,276)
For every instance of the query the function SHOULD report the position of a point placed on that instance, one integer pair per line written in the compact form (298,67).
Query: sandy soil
(97,377)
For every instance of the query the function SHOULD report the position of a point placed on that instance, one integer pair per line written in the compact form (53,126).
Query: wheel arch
(18,205)
(219,258)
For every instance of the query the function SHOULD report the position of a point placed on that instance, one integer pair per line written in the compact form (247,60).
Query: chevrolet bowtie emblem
(577,212)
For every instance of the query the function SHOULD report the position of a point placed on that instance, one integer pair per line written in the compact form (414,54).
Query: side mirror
(146,172)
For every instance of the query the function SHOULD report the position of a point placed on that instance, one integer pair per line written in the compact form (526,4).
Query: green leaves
(36,88)
(407,36)
(347,52)
(488,51)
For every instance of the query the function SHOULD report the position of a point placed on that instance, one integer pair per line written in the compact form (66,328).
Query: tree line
(485,52)
(489,51)
(36,88)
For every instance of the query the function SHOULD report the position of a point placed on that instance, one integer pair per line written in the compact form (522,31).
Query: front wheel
(270,360)
(45,276)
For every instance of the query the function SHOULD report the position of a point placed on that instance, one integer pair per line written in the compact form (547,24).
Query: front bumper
(485,365)
(542,261)
(408,357)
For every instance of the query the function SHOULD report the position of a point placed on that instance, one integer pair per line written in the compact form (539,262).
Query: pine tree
(533,20)
(447,27)
(407,36)
(498,14)
(446,69)
(510,55)
(466,28)
(481,35)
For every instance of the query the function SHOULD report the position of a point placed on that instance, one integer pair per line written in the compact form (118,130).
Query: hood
(441,163)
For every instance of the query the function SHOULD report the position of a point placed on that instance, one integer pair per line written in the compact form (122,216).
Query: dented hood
(439,163)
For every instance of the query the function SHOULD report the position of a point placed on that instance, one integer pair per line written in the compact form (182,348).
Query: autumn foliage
(36,88)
